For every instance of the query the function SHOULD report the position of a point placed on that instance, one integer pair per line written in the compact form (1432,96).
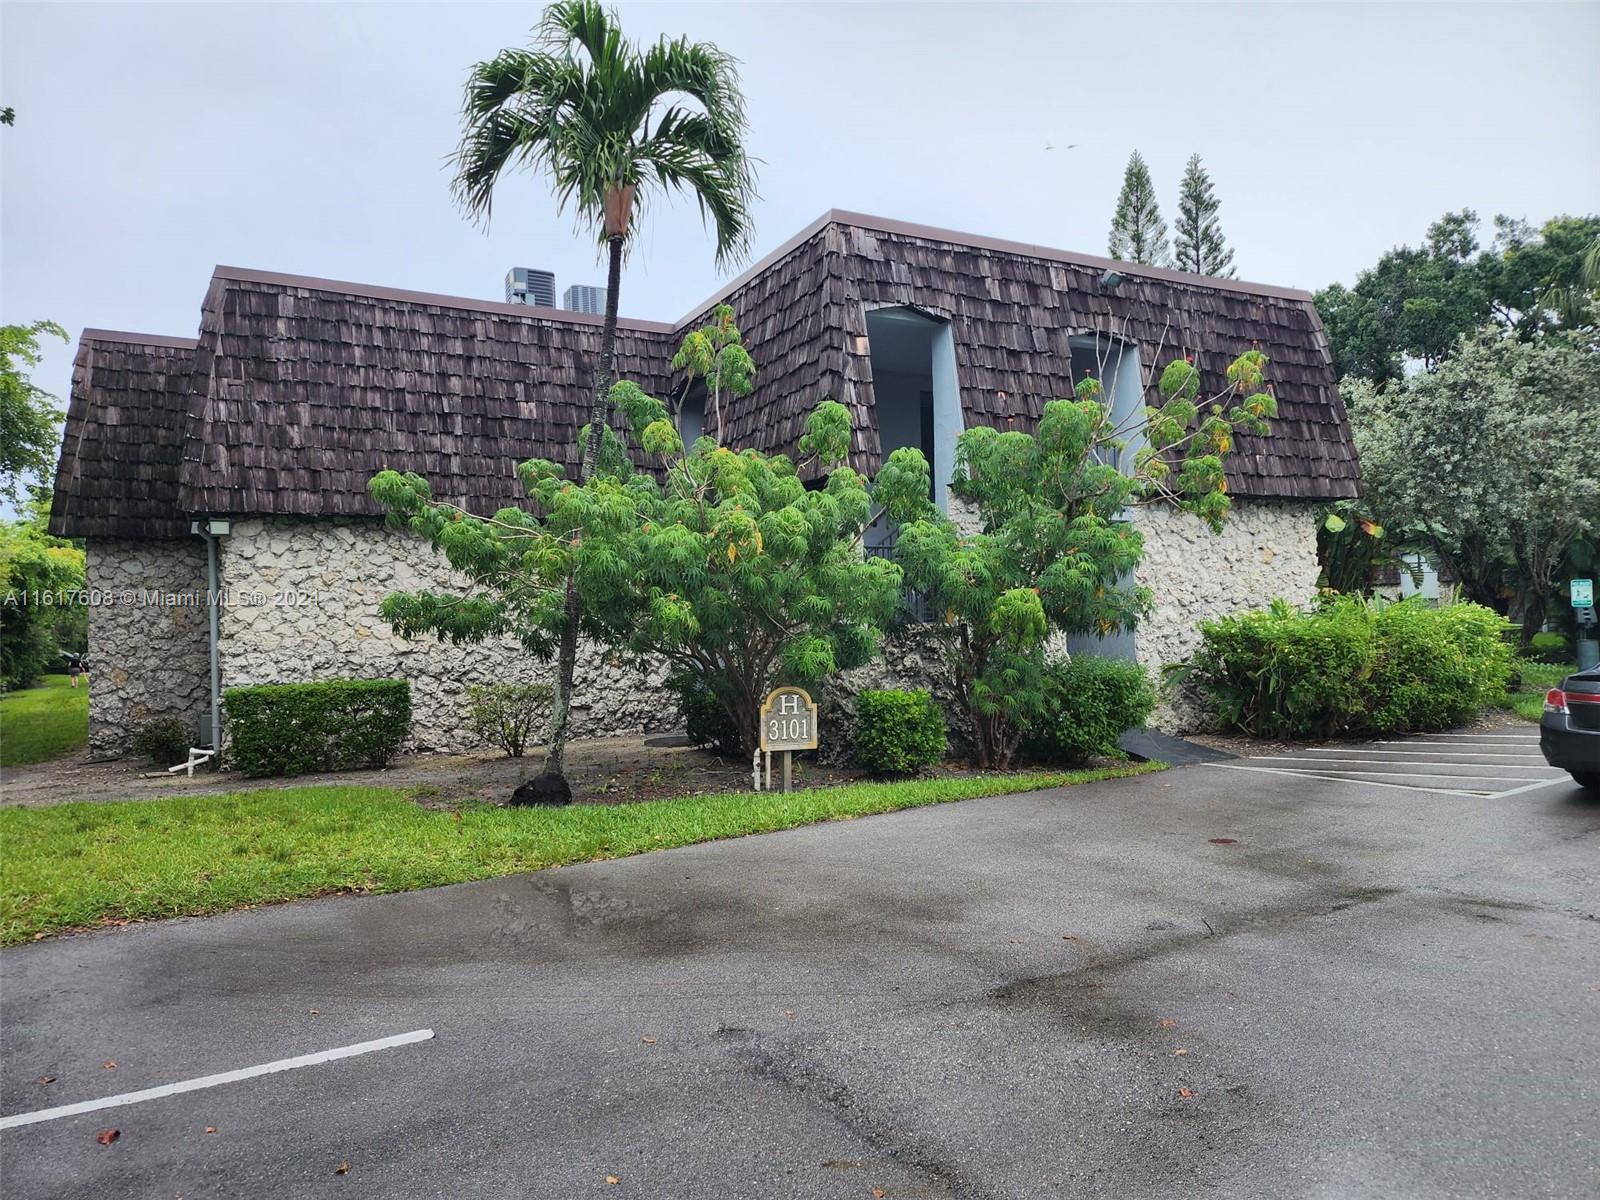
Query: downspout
(213,602)
(212,753)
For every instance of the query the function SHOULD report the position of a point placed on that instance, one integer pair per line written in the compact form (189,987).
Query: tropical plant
(727,567)
(1055,541)
(1201,248)
(608,123)
(1138,233)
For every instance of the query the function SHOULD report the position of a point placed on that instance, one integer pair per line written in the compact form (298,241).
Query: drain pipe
(211,529)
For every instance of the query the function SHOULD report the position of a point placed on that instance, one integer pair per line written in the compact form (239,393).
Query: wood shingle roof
(298,390)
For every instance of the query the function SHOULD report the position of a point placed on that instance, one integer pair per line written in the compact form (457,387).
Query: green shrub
(295,728)
(1550,648)
(506,714)
(705,720)
(1353,666)
(898,732)
(1089,701)
(165,741)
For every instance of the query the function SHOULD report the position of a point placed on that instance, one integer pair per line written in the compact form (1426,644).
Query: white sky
(154,141)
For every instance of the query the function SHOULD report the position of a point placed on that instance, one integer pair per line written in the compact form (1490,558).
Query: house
(267,426)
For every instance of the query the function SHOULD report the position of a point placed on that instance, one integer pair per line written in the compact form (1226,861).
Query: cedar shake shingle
(298,390)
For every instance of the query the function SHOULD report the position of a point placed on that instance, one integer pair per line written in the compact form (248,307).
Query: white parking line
(1400,756)
(211,1081)
(1324,763)
(1364,782)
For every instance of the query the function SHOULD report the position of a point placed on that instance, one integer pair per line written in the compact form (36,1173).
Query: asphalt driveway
(1368,991)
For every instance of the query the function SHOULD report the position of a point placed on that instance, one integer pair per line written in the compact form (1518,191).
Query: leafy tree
(1491,462)
(28,414)
(1138,233)
(1417,303)
(1055,541)
(40,577)
(726,566)
(715,355)
(1201,247)
(607,122)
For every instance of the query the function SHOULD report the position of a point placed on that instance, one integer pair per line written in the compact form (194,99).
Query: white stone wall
(303,599)
(1268,548)
(149,655)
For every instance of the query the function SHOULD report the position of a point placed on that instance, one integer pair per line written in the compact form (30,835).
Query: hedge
(296,728)
(1089,701)
(898,732)
(1353,667)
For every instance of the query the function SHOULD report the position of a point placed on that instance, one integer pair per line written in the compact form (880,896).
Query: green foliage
(1088,702)
(164,741)
(1138,233)
(728,567)
(40,614)
(706,721)
(1417,302)
(598,115)
(1201,248)
(1351,546)
(28,414)
(714,355)
(898,732)
(332,725)
(1448,463)
(1353,667)
(505,714)
(1055,543)
(1551,648)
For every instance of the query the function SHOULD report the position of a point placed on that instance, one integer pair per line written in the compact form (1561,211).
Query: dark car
(1569,734)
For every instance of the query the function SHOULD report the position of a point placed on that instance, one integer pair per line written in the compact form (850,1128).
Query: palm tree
(609,123)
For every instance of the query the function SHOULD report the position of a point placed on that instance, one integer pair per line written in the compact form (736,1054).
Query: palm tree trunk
(556,787)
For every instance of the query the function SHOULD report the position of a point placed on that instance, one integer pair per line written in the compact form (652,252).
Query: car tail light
(1556,700)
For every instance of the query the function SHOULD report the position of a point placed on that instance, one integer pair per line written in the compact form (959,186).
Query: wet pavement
(1211,981)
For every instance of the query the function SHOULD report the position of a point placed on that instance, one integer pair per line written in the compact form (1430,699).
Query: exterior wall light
(1111,280)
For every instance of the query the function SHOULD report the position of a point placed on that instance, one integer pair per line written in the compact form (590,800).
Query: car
(1569,733)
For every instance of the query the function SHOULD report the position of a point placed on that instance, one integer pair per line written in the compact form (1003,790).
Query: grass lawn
(76,865)
(1537,679)
(44,722)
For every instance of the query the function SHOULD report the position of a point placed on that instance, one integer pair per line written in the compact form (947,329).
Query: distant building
(585,298)
(529,285)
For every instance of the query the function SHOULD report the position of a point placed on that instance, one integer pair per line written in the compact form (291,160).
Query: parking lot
(1499,761)
(1239,981)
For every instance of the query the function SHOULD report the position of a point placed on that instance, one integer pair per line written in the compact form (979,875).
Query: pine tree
(1138,234)
(1201,246)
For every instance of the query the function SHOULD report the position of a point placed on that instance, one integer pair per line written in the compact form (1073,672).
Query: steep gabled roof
(299,389)
(123,445)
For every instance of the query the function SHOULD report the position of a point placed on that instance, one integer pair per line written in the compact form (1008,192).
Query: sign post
(1583,611)
(788,723)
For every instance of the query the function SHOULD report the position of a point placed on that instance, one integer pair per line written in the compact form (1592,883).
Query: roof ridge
(438,299)
(140,339)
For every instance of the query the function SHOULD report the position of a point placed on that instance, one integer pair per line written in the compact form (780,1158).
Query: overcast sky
(154,141)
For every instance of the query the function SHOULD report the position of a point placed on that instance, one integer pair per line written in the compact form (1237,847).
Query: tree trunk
(555,786)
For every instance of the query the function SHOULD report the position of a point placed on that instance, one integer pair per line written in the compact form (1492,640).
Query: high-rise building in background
(529,285)
(585,298)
